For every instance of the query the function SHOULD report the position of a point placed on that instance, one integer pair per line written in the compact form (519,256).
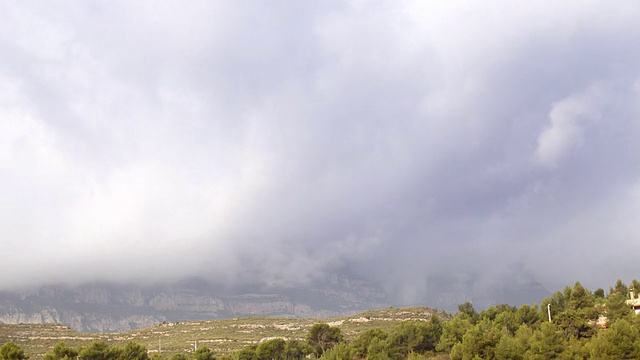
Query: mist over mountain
(107,307)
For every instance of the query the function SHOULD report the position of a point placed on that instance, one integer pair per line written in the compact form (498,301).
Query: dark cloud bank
(413,143)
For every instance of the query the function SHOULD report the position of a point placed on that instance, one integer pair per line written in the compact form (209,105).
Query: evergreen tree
(378,350)
(360,344)
(322,337)
(514,347)
(61,351)
(620,341)
(99,350)
(480,340)
(133,351)
(339,352)
(247,353)
(11,351)
(271,350)
(547,342)
(296,349)
(616,307)
(452,332)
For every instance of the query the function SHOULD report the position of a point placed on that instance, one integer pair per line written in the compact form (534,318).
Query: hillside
(108,307)
(222,336)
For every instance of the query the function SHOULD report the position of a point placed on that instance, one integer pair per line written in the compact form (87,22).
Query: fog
(272,143)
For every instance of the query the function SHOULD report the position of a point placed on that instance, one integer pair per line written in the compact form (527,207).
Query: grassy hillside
(222,336)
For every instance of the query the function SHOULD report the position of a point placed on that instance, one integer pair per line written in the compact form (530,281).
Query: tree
(339,352)
(514,347)
(480,340)
(432,331)
(296,349)
(133,351)
(247,353)
(452,332)
(467,311)
(271,350)
(203,353)
(527,315)
(404,338)
(545,343)
(11,351)
(617,307)
(620,341)
(414,336)
(378,350)
(99,350)
(61,351)
(360,344)
(580,297)
(619,288)
(322,337)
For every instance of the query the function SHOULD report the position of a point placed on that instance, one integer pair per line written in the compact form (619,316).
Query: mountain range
(110,307)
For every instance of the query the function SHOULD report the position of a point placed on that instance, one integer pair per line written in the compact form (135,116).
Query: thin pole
(549,311)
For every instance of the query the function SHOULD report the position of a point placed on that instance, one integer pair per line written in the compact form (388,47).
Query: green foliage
(453,331)
(339,352)
(467,311)
(514,347)
(413,336)
(11,351)
(99,350)
(480,340)
(134,351)
(203,353)
(322,337)
(616,307)
(271,349)
(296,349)
(546,342)
(360,345)
(247,353)
(527,315)
(61,351)
(619,288)
(621,341)
(378,349)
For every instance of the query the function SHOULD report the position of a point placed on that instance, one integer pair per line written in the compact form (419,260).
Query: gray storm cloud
(402,140)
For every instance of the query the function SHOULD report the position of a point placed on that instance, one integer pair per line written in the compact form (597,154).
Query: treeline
(584,325)
(574,323)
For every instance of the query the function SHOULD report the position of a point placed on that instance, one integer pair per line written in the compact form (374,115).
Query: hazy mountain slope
(110,307)
(101,307)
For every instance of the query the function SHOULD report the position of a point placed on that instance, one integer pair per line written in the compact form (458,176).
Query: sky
(274,142)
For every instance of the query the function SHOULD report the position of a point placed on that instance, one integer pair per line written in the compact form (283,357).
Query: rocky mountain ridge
(102,307)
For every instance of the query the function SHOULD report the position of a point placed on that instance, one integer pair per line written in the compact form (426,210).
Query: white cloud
(370,134)
(567,119)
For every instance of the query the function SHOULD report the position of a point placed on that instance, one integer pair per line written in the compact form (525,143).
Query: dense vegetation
(584,325)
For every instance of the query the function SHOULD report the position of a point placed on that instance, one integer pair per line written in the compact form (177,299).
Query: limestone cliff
(110,307)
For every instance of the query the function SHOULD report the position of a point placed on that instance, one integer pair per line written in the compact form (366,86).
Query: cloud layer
(401,140)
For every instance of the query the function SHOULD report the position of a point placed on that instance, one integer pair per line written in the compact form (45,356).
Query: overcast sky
(272,141)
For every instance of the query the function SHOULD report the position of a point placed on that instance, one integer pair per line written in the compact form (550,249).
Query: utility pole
(549,311)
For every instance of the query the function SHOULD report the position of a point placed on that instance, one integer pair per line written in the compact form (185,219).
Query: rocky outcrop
(111,307)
